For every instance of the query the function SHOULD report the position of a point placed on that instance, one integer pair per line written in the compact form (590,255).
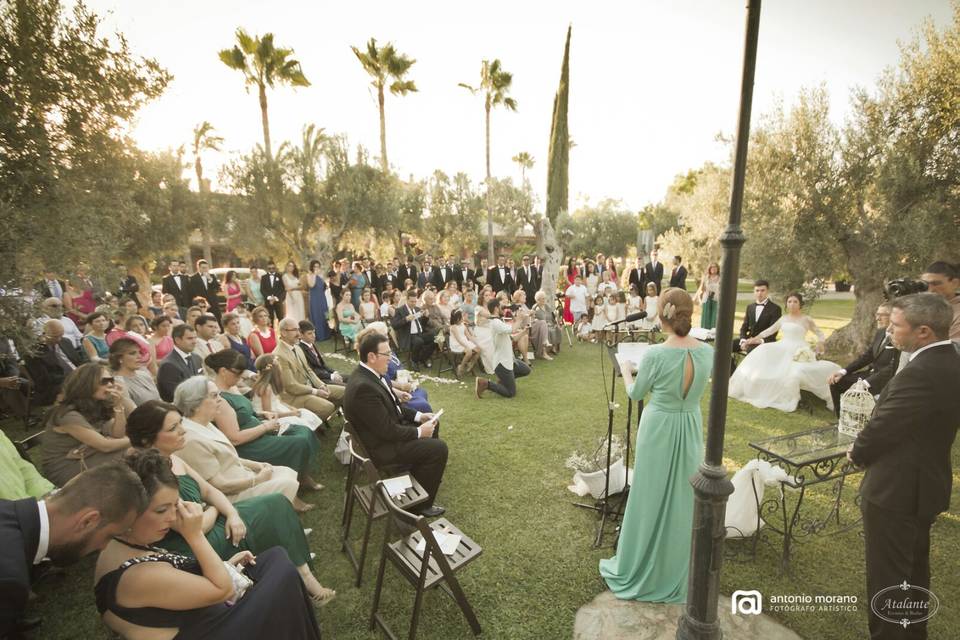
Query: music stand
(606,506)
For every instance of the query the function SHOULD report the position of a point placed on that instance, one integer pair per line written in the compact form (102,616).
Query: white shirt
(925,347)
(502,344)
(44,543)
(578,298)
(759,308)
(70,330)
(415,324)
(386,384)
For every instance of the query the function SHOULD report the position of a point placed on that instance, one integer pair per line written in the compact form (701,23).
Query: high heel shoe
(323,598)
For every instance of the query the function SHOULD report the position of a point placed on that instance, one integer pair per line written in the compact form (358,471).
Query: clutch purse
(240,582)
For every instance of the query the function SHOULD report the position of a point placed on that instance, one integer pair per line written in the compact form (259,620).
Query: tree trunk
(383,132)
(856,335)
(204,212)
(264,120)
(551,253)
(491,258)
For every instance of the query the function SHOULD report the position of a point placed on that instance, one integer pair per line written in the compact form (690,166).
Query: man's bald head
(52,331)
(290,331)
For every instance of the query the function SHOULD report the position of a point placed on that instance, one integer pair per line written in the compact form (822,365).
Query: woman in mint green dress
(653,554)
(257,439)
(255,524)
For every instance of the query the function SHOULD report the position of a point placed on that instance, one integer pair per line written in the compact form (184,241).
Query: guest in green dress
(18,478)
(653,555)
(708,295)
(257,439)
(255,524)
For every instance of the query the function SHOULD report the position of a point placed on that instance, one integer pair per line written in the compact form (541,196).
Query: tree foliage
(609,228)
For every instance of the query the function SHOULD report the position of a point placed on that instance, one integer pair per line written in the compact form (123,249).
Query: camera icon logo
(746,602)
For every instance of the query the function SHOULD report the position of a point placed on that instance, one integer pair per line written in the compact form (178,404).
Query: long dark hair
(571,267)
(78,390)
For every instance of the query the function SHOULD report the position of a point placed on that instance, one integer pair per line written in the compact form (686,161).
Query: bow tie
(761,304)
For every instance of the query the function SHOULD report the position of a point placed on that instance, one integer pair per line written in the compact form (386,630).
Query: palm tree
(383,64)
(204,140)
(526,161)
(494,84)
(263,65)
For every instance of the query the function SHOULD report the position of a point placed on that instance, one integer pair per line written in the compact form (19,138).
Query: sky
(652,82)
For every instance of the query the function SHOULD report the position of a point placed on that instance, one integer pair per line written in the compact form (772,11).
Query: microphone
(633,317)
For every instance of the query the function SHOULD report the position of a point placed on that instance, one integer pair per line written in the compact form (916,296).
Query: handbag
(342,451)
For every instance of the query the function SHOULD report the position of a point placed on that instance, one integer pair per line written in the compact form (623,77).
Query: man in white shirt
(506,367)
(577,294)
(53,310)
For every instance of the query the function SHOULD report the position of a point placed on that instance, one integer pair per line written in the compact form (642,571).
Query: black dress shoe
(432,512)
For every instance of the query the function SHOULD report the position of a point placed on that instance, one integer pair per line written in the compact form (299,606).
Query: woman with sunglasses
(87,426)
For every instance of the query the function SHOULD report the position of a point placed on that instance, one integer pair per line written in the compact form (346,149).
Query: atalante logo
(905,604)
(746,602)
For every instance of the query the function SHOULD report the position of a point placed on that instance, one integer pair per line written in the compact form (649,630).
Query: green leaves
(262,63)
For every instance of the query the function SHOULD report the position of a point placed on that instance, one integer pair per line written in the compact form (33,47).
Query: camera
(903,287)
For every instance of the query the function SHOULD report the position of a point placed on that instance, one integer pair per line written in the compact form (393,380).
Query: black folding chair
(365,496)
(424,570)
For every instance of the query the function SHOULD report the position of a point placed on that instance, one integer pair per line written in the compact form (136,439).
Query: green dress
(270,519)
(653,554)
(296,448)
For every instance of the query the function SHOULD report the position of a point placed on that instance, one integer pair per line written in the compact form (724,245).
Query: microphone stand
(604,506)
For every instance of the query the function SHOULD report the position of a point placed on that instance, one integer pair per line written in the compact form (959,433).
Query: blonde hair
(676,310)
(270,374)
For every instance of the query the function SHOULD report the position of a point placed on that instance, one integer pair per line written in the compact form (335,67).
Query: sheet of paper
(632,351)
(435,417)
(448,543)
(397,486)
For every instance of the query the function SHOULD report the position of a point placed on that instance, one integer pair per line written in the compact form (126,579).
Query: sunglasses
(107,381)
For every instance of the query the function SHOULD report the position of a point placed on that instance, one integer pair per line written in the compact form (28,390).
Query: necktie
(396,402)
(209,347)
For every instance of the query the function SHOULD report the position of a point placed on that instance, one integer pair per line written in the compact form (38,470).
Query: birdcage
(856,407)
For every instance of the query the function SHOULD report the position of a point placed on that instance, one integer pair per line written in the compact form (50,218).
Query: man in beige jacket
(301,386)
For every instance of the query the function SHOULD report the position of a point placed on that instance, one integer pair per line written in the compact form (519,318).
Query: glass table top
(804,447)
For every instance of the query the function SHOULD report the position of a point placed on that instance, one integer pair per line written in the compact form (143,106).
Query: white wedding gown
(769,377)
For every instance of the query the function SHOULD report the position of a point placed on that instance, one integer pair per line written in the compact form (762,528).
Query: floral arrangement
(588,463)
(804,354)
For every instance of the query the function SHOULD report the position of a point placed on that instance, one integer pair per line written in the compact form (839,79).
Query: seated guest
(262,339)
(348,319)
(435,317)
(193,313)
(257,439)
(143,592)
(308,343)
(53,358)
(155,308)
(266,392)
(413,331)
(445,305)
(87,426)
(18,478)
(53,310)
(208,329)
(545,312)
(211,454)
(231,338)
(125,363)
(254,524)
(95,342)
(15,389)
(181,363)
(172,311)
(875,366)
(409,394)
(537,329)
(135,328)
(461,342)
(301,386)
(500,358)
(160,340)
(77,520)
(389,432)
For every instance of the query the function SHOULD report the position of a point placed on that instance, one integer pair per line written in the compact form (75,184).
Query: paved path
(607,618)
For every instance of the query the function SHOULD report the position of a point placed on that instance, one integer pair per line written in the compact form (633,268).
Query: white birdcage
(856,407)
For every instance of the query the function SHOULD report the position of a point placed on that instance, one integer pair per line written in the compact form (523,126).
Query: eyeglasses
(385,353)
(236,372)
(107,381)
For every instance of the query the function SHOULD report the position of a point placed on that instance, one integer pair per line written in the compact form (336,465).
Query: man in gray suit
(181,363)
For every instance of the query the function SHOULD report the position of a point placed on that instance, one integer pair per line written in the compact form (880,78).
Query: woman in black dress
(144,592)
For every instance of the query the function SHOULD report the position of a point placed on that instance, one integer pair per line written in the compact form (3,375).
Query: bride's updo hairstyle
(797,295)
(676,310)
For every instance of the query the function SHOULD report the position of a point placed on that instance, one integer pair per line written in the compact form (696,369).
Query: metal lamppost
(710,485)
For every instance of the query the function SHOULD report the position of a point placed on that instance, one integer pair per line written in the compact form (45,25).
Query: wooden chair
(448,357)
(365,496)
(423,571)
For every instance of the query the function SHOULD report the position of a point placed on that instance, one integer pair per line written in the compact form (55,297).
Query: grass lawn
(506,488)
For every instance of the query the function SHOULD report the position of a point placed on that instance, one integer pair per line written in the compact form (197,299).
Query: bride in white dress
(772,375)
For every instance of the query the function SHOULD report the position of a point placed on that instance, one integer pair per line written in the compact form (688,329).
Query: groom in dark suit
(77,520)
(875,366)
(181,363)
(760,315)
(906,451)
(391,434)
(274,292)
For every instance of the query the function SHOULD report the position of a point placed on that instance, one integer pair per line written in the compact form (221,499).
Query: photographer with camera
(943,279)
